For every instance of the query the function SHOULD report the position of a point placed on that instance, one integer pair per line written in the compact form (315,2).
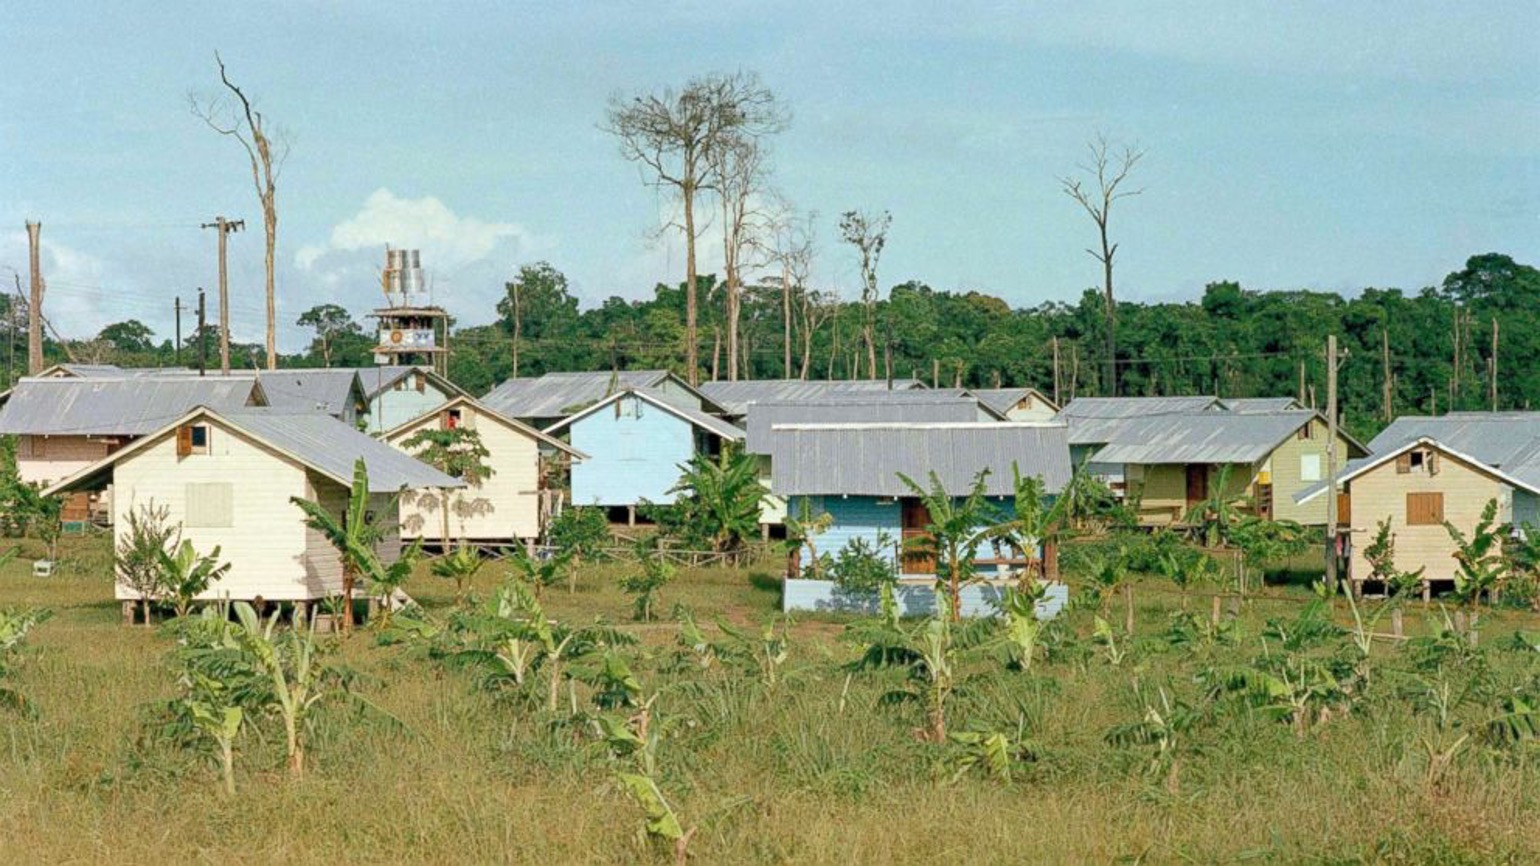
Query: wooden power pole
(1494,363)
(35,301)
(224,227)
(203,341)
(1331,461)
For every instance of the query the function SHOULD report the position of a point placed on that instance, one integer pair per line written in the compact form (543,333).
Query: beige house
(227,480)
(1017,404)
(1170,463)
(1417,487)
(514,503)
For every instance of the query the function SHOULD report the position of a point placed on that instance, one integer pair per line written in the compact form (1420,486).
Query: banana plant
(354,536)
(217,717)
(633,741)
(536,571)
(769,650)
(459,566)
(1104,636)
(1164,725)
(1481,564)
(290,660)
(995,752)
(1022,627)
(929,653)
(14,627)
(185,574)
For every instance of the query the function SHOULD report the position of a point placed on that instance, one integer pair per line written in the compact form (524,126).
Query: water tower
(412,329)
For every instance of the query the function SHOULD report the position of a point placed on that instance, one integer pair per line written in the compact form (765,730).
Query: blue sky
(1322,145)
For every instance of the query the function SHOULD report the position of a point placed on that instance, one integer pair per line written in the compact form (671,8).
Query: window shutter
(183,440)
(1403,463)
(1424,509)
(1433,466)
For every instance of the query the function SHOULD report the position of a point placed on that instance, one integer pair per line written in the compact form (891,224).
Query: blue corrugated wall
(864,517)
(392,408)
(631,458)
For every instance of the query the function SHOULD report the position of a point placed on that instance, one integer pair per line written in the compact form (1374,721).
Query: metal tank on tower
(412,329)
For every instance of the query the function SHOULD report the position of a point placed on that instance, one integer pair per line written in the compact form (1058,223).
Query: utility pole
(1494,363)
(178,308)
(203,342)
(35,303)
(224,227)
(1385,371)
(1331,462)
(1056,377)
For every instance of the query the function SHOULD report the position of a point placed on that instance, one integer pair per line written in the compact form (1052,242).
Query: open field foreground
(1424,752)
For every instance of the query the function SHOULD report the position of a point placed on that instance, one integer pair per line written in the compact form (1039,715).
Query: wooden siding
(1284,468)
(512,493)
(266,547)
(1162,488)
(1382,492)
(634,454)
(1031,409)
(55,458)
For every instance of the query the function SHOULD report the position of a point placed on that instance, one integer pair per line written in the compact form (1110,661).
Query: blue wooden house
(636,442)
(851,472)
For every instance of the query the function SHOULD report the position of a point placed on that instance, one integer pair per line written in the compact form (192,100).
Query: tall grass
(815,770)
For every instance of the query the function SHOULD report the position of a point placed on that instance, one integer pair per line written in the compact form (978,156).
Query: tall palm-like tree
(958,525)
(354,537)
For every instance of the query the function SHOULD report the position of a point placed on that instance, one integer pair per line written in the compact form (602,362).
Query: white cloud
(445,238)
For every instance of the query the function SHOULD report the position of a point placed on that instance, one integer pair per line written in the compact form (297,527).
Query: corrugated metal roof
(710,423)
(1003,400)
(734,397)
(865,459)
(329,391)
(117,407)
(331,446)
(1509,441)
(557,395)
(378,378)
(854,408)
(1201,437)
(1259,404)
(1097,420)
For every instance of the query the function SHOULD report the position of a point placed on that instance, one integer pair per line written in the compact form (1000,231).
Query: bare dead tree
(792,252)
(1108,169)
(868,233)
(671,133)
(739,171)
(234,115)
(819,308)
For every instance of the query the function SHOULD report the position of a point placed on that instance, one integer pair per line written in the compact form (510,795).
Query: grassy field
(814,770)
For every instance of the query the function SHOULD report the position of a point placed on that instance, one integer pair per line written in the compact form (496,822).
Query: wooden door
(913,520)
(1197,484)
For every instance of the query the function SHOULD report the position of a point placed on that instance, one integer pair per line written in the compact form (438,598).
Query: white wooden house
(227,479)
(525,488)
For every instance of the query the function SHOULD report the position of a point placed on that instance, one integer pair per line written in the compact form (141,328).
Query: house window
(192,439)
(210,505)
(1307,431)
(1309,467)
(1424,509)
(420,382)
(451,420)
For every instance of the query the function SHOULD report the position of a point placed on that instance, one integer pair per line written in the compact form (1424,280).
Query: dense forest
(1436,345)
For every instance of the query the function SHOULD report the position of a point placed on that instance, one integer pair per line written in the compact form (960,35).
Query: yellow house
(226,479)
(1418,487)
(1172,462)
(512,504)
